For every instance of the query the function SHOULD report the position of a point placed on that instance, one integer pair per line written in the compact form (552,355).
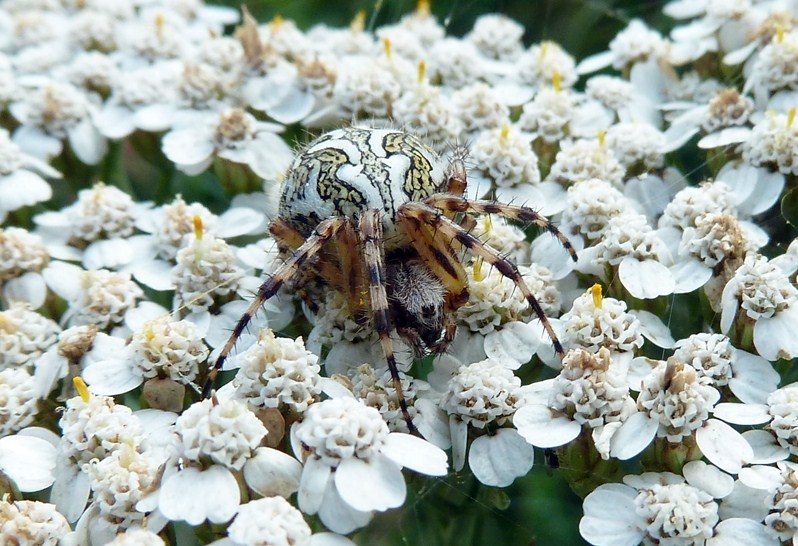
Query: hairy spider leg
(436,220)
(343,270)
(374,257)
(446,202)
(442,260)
(323,232)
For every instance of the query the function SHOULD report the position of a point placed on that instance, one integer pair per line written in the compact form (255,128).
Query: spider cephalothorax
(380,217)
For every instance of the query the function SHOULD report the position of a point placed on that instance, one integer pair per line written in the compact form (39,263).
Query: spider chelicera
(381,218)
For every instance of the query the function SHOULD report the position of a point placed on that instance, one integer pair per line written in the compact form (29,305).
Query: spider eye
(428,311)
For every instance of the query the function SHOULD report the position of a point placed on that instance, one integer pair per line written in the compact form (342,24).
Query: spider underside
(379,217)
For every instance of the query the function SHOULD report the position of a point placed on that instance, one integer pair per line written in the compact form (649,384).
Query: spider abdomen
(347,171)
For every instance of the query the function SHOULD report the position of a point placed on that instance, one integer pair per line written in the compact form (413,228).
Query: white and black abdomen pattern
(351,170)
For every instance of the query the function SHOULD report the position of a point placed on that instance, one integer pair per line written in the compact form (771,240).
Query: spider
(380,217)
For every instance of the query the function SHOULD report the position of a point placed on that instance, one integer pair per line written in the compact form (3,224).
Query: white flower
(584,159)
(353,463)
(594,322)
(21,170)
(365,89)
(234,135)
(426,112)
(760,297)
(548,114)
(664,508)
(774,66)
(20,396)
(774,142)
(206,267)
(22,257)
(137,537)
(478,108)
(547,63)
(589,392)
(121,483)
(274,521)
(53,112)
(485,395)
(456,63)
(634,44)
(497,37)
(31,522)
(277,373)
(163,348)
(24,336)
(637,145)
(96,296)
(783,409)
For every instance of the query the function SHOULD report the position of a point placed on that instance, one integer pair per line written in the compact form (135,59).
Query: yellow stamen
(790,116)
(602,137)
(422,7)
(598,299)
(478,276)
(197,226)
(556,80)
(277,22)
(359,22)
(160,21)
(422,71)
(386,47)
(488,224)
(505,131)
(82,389)
(779,34)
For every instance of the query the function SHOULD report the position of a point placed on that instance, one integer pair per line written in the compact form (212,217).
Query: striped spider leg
(430,216)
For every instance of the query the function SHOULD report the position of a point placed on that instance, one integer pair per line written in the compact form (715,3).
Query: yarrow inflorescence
(263,281)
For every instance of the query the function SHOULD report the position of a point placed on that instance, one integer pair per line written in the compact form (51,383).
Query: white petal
(115,121)
(761,477)
(646,279)
(595,62)
(416,454)
(769,186)
(107,254)
(196,495)
(155,117)
(338,516)
(754,378)
(766,449)
(654,329)
(187,146)
(745,502)
(723,446)
(37,143)
(111,377)
(239,221)
(30,288)
(539,426)
(742,414)
(87,142)
(690,275)
(157,274)
(270,156)
(63,279)
(514,344)
(329,539)
(271,473)
(741,532)
(29,461)
(610,516)
(294,106)
(709,478)
(499,459)
(71,490)
(459,433)
(724,137)
(634,436)
(774,337)
(22,188)
(316,477)
(374,485)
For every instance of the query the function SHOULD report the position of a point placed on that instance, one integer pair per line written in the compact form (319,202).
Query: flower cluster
(142,148)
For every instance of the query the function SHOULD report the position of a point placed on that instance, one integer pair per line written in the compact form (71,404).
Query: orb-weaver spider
(380,217)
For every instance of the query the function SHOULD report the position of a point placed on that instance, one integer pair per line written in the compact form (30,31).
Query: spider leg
(435,219)
(446,202)
(287,271)
(340,266)
(374,257)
